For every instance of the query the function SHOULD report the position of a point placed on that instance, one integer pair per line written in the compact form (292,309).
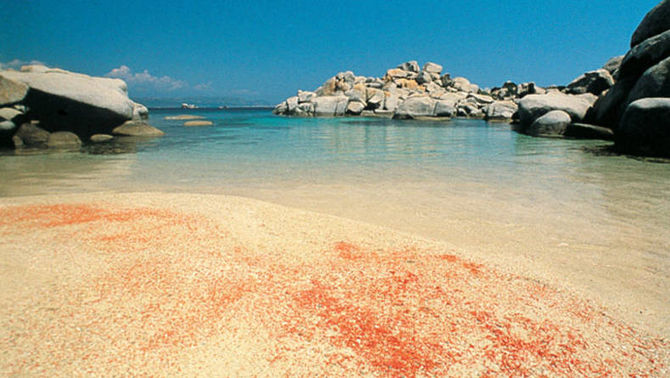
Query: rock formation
(43,107)
(407,92)
(635,107)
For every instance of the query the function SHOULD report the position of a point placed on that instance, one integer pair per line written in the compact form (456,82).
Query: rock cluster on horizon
(407,91)
(43,107)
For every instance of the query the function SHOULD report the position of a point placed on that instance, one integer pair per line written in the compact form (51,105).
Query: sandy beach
(190,284)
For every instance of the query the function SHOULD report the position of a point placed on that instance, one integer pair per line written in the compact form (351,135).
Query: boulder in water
(645,128)
(553,123)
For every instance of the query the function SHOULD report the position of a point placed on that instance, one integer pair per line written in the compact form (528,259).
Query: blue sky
(269,49)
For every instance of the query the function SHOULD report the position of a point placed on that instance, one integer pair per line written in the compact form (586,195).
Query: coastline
(163,232)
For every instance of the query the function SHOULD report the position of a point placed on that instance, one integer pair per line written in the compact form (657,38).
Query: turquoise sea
(550,206)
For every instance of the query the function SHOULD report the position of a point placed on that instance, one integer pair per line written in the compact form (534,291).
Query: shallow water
(553,209)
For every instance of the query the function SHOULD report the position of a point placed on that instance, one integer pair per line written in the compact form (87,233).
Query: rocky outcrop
(63,140)
(407,91)
(655,22)
(645,55)
(644,73)
(655,82)
(62,101)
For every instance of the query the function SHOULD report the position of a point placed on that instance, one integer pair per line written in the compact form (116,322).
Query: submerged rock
(138,129)
(198,123)
(63,140)
(101,138)
(586,131)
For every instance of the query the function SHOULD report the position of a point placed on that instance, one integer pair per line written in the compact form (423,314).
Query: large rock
(554,123)
(391,102)
(645,128)
(11,91)
(480,98)
(418,106)
(63,100)
(281,108)
(613,64)
(444,108)
(137,129)
(424,77)
(375,98)
(655,82)
(63,140)
(10,114)
(500,110)
(292,104)
(7,125)
(609,108)
(140,112)
(532,107)
(463,85)
(645,55)
(411,66)
(355,107)
(396,73)
(655,22)
(431,67)
(31,135)
(357,93)
(305,96)
(330,106)
(594,82)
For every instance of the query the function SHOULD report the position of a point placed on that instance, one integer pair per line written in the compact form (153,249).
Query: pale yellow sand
(150,283)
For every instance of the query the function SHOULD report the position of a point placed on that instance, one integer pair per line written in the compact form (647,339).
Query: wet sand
(150,283)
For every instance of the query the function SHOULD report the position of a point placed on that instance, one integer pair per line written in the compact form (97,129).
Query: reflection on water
(555,208)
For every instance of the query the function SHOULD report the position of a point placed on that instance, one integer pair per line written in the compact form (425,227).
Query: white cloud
(244,92)
(17,63)
(145,80)
(203,86)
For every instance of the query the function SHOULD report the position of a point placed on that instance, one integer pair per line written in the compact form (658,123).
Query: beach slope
(167,284)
